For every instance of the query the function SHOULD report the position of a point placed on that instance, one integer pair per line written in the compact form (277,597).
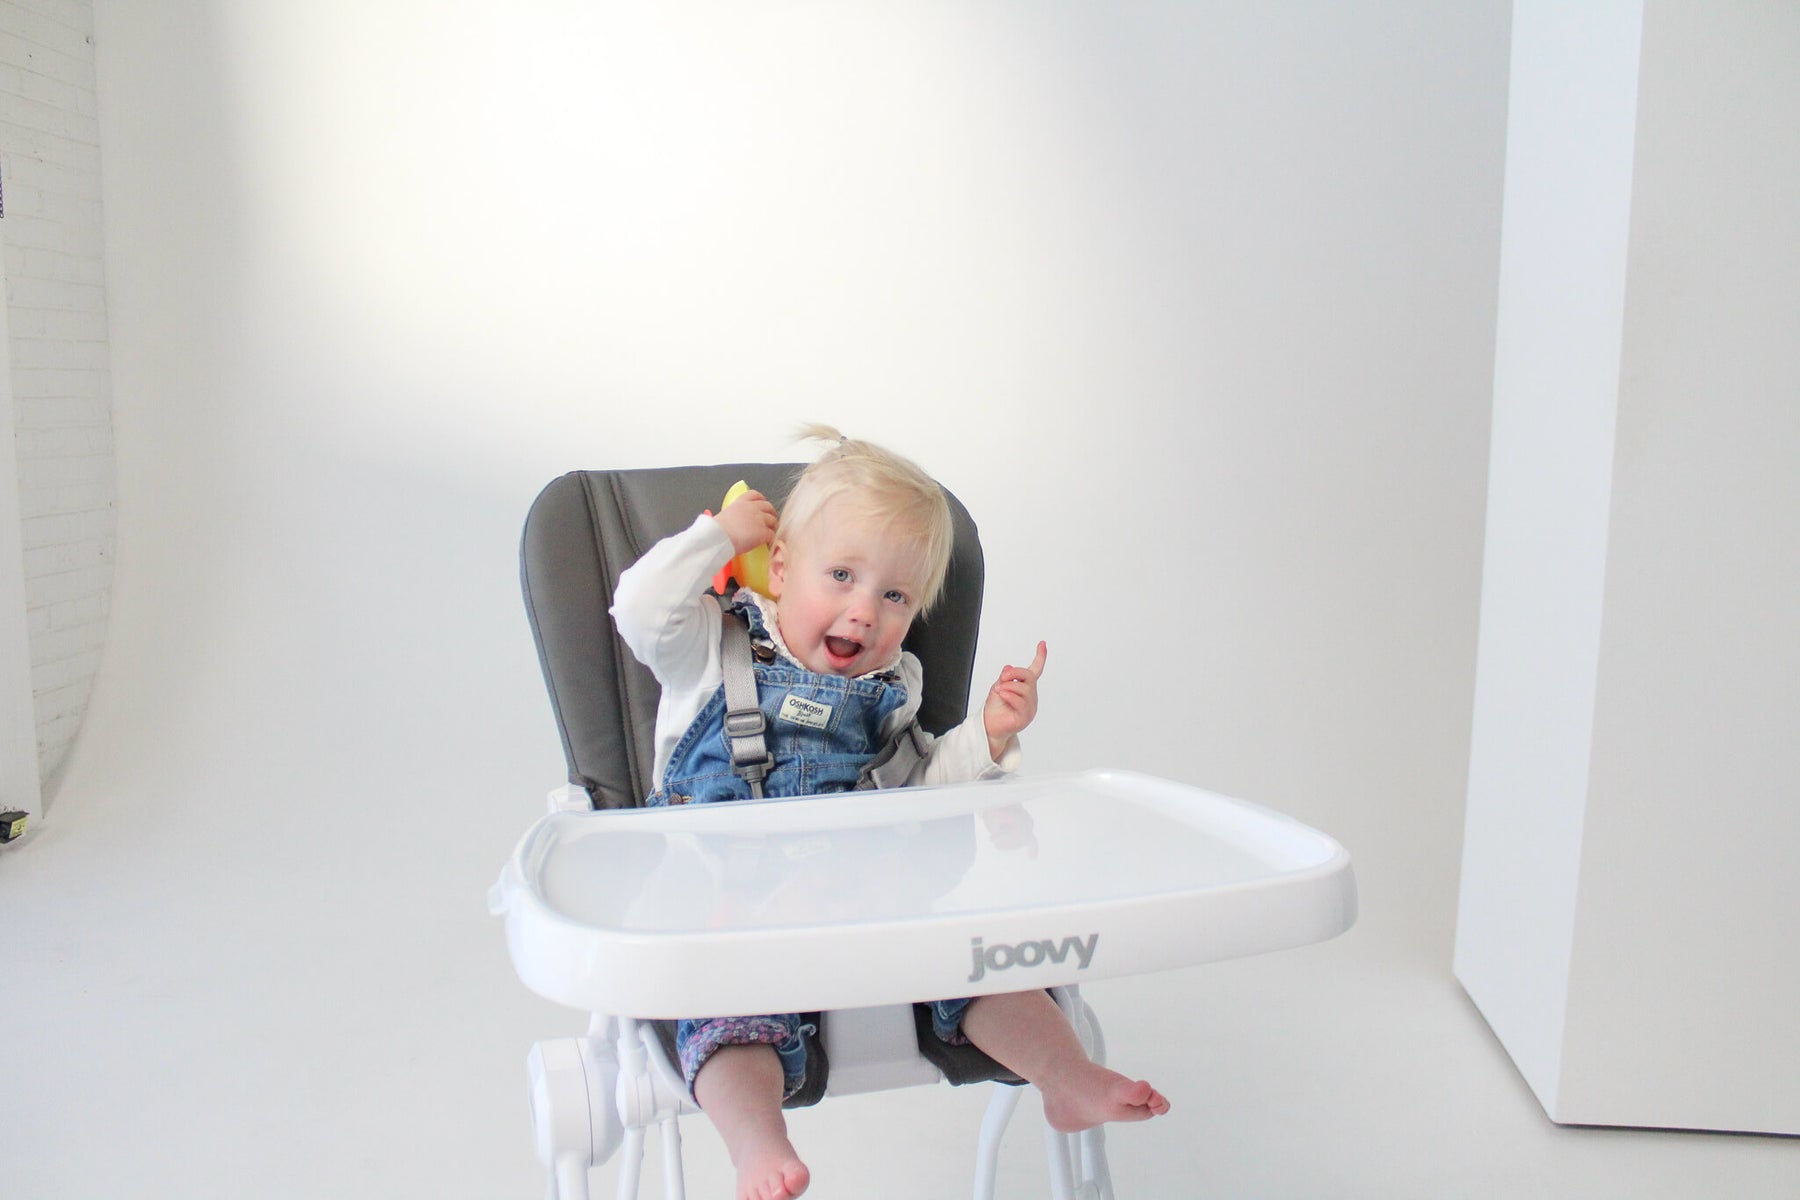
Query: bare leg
(739,1088)
(1027,1033)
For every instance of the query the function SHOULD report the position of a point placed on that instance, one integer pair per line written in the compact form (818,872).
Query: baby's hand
(1012,703)
(749,521)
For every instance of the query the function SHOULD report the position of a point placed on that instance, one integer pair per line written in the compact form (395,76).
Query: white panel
(1685,980)
(1562,276)
(1627,920)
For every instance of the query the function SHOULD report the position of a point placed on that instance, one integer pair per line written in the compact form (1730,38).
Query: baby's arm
(661,608)
(984,746)
(660,603)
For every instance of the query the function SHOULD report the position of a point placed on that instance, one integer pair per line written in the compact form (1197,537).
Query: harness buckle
(745,723)
(750,757)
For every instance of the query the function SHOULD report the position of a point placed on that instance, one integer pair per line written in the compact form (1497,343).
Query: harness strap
(744,722)
(897,760)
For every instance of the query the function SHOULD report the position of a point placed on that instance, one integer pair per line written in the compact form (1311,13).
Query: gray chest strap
(744,722)
(894,766)
(746,727)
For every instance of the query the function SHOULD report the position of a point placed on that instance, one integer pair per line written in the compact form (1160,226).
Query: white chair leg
(570,1179)
(1062,1175)
(993,1127)
(674,1184)
(631,1163)
(650,1093)
(633,1100)
(1095,1171)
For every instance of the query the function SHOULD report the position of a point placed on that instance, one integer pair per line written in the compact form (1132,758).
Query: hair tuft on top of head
(879,485)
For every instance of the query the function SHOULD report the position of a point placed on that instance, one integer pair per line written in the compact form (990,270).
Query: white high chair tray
(866,898)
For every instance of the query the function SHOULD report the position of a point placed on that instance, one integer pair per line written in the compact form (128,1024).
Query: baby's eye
(840,574)
(895,596)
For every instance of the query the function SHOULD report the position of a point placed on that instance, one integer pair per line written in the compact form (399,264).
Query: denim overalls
(822,730)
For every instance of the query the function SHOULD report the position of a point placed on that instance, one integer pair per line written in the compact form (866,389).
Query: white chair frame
(602,1094)
(1215,878)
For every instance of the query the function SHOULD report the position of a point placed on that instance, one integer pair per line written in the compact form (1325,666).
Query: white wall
(61,412)
(1688,914)
(19,784)
(1193,305)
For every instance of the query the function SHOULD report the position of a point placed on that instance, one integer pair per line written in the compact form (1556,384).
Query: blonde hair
(879,485)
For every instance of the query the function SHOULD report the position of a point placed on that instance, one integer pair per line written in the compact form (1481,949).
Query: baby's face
(847,594)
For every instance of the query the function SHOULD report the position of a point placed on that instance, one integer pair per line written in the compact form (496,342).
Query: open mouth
(842,649)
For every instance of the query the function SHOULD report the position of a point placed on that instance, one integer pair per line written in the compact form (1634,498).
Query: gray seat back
(588,526)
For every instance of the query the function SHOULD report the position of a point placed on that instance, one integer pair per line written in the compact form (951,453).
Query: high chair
(850,906)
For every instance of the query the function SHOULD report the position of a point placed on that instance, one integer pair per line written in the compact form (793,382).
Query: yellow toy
(751,568)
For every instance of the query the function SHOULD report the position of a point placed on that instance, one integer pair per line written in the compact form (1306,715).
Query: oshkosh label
(809,713)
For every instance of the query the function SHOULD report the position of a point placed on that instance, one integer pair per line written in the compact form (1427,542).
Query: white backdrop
(1193,306)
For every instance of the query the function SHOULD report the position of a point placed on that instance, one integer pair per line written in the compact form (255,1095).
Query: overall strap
(744,723)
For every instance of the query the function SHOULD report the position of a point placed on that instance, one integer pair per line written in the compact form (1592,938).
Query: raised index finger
(1037,664)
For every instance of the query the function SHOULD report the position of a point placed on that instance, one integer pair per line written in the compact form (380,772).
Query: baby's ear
(777,568)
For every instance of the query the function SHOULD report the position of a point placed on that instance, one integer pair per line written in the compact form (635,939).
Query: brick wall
(56,310)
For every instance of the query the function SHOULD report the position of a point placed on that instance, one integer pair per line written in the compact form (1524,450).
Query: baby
(859,552)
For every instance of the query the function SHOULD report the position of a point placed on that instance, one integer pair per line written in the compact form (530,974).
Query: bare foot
(1096,1095)
(1027,1032)
(740,1089)
(771,1173)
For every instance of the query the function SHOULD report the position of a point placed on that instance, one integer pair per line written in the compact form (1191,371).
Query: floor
(225,986)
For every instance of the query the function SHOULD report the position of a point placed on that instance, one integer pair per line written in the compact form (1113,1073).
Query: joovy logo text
(1030,954)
